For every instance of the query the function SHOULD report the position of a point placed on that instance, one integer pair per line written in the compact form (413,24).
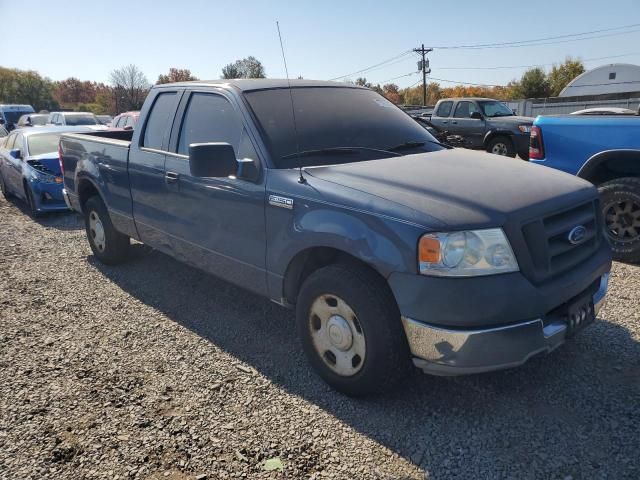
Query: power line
(399,76)
(534,42)
(466,83)
(536,65)
(372,66)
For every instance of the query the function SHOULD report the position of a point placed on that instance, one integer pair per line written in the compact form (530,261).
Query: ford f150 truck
(604,150)
(483,123)
(328,199)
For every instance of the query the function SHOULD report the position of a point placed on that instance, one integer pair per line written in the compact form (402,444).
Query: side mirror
(16,153)
(128,127)
(212,160)
(2,122)
(248,169)
(476,115)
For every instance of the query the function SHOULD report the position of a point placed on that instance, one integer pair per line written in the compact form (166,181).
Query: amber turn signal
(429,250)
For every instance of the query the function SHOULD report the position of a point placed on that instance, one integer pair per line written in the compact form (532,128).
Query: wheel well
(308,261)
(493,135)
(86,190)
(611,165)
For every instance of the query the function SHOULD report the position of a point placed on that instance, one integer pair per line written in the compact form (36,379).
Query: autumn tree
(561,75)
(392,92)
(130,87)
(176,75)
(249,67)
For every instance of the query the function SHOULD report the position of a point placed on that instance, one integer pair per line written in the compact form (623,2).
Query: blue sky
(323,39)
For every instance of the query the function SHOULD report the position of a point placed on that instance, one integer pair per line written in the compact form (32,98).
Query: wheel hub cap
(623,220)
(339,333)
(97,231)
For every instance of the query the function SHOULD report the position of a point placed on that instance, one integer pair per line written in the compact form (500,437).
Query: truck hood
(459,188)
(512,120)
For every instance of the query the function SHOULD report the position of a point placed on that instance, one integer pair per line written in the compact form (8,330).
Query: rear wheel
(108,245)
(351,330)
(501,146)
(620,202)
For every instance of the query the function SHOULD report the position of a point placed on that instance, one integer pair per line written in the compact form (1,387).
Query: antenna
(301,178)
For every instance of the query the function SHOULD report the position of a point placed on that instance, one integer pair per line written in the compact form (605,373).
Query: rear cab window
(159,119)
(444,109)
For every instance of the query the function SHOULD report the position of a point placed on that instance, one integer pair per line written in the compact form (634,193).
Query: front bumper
(442,351)
(48,197)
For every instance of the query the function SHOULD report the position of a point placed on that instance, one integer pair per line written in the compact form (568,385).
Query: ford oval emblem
(577,235)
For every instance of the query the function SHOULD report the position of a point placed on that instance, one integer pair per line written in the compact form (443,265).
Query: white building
(613,78)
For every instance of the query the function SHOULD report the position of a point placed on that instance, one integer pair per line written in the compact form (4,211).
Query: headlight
(524,128)
(466,254)
(45,177)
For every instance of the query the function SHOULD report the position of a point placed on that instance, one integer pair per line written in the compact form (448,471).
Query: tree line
(534,83)
(128,87)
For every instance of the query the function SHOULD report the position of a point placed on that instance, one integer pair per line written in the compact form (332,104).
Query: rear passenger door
(146,169)
(215,223)
(440,118)
(471,129)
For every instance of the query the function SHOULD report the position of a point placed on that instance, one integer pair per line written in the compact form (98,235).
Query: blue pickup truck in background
(605,150)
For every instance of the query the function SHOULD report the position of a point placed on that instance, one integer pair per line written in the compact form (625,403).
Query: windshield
(44,143)
(75,120)
(330,120)
(12,116)
(495,109)
(39,119)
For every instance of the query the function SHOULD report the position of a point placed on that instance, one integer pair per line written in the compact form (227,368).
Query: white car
(75,119)
(604,111)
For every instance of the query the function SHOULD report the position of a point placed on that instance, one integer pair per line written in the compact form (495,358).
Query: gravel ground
(155,370)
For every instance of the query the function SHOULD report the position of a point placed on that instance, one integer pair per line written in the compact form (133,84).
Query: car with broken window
(30,170)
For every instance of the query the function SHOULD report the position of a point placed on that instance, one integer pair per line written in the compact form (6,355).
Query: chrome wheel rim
(97,231)
(500,149)
(337,335)
(623,220)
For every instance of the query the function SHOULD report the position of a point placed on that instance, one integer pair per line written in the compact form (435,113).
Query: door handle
(445,121)
(171,177)
(454,123)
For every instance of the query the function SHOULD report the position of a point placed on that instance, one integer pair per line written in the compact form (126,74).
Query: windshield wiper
(334,150)
(405,146)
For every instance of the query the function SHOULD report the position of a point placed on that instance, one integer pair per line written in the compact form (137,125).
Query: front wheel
(108,245)
(620,202)
(501,146)
(351,330)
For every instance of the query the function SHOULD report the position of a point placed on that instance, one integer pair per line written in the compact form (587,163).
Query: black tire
(3,189)
(31,203)
(501,144)
(387,357)
(620,202)
(112,247)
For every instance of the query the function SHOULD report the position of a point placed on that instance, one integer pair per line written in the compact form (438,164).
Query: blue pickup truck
(605,150)
(328,199)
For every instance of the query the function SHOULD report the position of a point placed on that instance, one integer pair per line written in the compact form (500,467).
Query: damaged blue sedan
(30,169)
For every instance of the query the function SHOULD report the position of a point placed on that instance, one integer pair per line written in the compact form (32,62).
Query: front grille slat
(548,240)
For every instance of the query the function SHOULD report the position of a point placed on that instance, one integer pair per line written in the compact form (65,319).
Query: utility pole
(424,66)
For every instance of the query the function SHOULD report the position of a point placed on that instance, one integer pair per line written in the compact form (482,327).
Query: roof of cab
(249,84)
